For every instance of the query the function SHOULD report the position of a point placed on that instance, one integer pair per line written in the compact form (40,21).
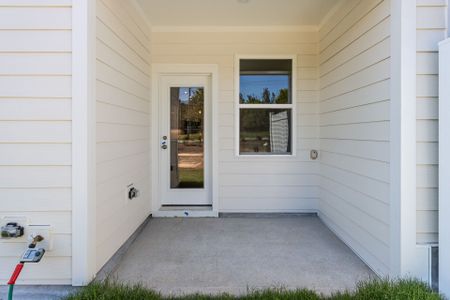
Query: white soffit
(286,15)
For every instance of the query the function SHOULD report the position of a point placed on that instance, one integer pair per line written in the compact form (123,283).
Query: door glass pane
(186,137)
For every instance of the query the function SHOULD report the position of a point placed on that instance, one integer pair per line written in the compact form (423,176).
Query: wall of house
(123,123)
(35,131)
(354,59)
(431,29)
(255,184)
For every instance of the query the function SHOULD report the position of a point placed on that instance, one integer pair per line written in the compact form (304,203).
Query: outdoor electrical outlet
(43,230)
(132,192)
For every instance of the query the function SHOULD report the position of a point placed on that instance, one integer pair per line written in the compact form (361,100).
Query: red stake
(16,273)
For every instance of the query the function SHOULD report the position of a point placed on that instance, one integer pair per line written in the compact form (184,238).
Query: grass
(191,178)
(373,289)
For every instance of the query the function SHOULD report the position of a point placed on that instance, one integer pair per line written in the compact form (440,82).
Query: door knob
(164,147)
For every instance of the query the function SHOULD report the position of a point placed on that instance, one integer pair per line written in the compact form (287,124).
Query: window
(265,107)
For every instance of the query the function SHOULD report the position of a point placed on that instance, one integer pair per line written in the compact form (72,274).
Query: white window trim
(238,106)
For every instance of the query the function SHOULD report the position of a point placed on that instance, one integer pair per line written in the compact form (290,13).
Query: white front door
(185,140)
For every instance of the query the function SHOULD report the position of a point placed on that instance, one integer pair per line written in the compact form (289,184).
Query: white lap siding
(35,131)
(123,123)
(354,118)
(431,29)
(255,184)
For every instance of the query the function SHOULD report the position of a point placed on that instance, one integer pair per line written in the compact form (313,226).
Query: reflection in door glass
(186,137)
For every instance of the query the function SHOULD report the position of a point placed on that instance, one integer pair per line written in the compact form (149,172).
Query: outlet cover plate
(45,231)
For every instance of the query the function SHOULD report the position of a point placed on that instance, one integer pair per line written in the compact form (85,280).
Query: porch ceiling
(236,12)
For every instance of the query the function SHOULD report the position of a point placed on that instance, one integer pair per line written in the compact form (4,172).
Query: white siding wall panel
(431,29)
(123,123)
(256,184)
(354,128)
(35,130)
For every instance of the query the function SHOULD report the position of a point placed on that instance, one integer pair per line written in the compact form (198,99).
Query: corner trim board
(83,142)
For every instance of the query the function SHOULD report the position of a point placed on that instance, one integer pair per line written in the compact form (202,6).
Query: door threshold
(186,212)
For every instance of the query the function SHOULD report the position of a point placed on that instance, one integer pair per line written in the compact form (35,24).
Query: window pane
(186,138)
(264,89)
(265,81)
(265,131)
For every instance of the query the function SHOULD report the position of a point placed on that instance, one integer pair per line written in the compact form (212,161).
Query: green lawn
(191,178)
(375,289)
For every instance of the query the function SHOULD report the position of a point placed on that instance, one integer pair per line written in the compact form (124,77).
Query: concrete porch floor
(236,254)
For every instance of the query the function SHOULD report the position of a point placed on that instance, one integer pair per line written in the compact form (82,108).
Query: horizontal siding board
(378,131)
(373,112)
(427,108)
(32,86)
(35,155)
(120,132)
(431,17)
(35,132)
(35,63)
(268,192)
(36,3)
(256,180)
(35,199)
(378,151)
(427,63)
(277,204)
(36,41)
(35,18)
(428,40)
(35,177)
(35,109)
(61,268)
(116,150)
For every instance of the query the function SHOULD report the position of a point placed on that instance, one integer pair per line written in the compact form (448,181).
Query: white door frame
(183,196)
(176,70)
